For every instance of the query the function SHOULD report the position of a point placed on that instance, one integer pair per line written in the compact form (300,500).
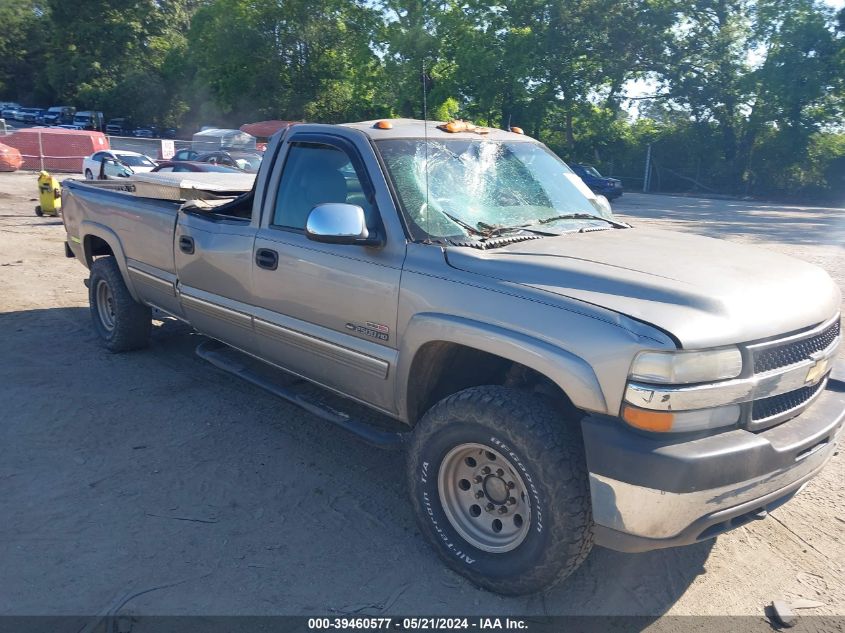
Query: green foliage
(748,97)
(23,26)
(449,109)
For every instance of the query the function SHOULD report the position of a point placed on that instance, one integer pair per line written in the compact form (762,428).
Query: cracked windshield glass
(479,188)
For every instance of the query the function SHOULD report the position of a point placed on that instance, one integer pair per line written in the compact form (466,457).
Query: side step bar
(220,355)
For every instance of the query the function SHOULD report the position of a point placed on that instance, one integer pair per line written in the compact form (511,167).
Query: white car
(137,163)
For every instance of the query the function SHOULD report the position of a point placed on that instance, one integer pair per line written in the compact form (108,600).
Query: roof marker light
(383,125)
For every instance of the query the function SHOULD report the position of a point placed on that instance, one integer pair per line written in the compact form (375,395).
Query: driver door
(327,311)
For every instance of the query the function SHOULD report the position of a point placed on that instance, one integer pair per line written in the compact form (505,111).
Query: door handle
(186,244)
(266,258)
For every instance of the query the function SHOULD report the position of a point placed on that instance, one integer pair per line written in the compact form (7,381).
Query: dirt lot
(151,482)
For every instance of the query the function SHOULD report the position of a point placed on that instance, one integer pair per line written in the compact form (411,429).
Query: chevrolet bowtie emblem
(817,370)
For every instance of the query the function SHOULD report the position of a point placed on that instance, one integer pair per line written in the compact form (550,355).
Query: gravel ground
(152,483)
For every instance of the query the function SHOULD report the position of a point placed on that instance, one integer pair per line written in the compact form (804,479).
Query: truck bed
(115,207)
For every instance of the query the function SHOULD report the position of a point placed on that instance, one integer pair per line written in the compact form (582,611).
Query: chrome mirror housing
(339,223)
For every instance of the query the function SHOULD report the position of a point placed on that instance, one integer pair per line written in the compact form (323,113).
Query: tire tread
(133,322)
(557,455)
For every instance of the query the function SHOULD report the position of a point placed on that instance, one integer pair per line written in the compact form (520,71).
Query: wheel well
(94,247)
(441,368)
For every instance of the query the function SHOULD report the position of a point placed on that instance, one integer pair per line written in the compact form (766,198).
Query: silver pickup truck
(558,377)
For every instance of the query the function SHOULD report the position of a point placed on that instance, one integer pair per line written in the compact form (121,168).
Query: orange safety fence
(10,158)
(56,149)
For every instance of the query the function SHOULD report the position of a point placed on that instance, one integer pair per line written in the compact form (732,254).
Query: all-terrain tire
(122,323)
(548,455)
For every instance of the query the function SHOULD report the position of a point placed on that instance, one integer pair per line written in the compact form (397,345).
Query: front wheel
(499,485)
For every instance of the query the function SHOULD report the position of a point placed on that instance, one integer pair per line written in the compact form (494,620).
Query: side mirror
(111,168)
(602,205)
(339,223)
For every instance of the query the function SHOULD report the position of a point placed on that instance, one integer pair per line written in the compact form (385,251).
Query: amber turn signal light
(516,130)
(384,125)
(660,421)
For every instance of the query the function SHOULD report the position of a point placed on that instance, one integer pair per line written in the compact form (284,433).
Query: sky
(641,87)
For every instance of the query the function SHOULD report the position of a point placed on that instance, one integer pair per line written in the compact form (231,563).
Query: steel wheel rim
(105,305)
(484,498)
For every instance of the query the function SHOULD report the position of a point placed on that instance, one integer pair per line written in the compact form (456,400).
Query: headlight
(677,368)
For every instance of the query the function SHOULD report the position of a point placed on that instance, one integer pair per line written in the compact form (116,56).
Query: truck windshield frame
(476,186)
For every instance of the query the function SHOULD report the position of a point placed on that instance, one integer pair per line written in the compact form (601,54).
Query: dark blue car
(610,188)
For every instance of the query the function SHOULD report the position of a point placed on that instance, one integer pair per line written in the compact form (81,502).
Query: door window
(315,174)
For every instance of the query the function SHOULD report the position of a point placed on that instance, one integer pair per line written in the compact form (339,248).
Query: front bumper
(650,493)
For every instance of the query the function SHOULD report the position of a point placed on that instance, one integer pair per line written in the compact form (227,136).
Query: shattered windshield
(475,186)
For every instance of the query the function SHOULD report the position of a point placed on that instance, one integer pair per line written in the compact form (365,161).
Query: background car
(610,188)
(145,131)
(30,115)
(58,115)
(89,120)
(193,166)
(239,159)
(120,126)
(185,154)
(11,113)
(138,163)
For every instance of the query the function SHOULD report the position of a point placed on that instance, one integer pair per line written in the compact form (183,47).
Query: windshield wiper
(579,216)
(465,225)
(493,231)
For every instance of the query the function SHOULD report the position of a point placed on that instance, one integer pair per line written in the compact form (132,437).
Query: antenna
(425,144)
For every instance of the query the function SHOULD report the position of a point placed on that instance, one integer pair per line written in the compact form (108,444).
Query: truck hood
(705,292)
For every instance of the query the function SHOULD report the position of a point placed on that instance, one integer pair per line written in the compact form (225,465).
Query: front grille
(783,403)
(793,352)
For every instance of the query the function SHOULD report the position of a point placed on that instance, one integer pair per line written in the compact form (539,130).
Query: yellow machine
(50,194)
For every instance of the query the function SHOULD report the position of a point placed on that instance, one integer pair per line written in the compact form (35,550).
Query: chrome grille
(790,354)
(786,354)
(777,406)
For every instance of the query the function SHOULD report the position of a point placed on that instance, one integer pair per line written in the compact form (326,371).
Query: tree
(22,37)
(108,54)
(292,60)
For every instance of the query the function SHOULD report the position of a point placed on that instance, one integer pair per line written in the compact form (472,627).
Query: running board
(225,358)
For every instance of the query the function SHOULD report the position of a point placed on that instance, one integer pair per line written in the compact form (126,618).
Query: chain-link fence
(63,151)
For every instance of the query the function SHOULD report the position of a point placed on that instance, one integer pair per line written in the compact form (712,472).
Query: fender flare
(571,373)
(95,229)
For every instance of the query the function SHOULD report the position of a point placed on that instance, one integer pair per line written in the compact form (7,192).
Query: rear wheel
(122,323)
(39,211)
(89,175)
(499,485)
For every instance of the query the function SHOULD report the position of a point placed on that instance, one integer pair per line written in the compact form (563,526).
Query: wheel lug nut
(503,510)
(478,479)
(500,472)
(511,501)
(479,494)
(486,470)
(489,506)
(510,485)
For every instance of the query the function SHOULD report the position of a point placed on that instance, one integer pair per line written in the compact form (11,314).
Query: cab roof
(416,128)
